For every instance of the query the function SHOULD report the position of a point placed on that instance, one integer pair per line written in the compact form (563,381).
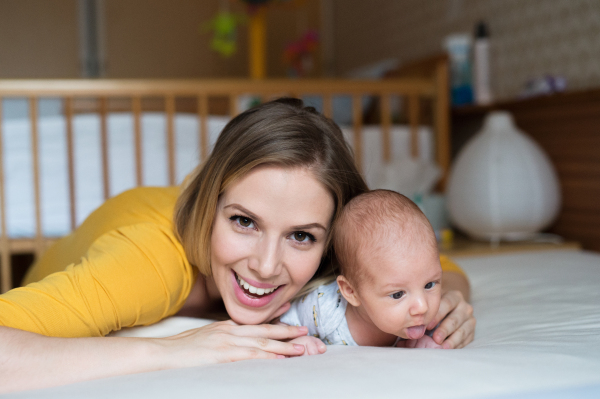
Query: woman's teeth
(254,290)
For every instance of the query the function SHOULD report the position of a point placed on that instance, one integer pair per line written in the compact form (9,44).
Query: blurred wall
(39,39)
(529,37)
(142,38)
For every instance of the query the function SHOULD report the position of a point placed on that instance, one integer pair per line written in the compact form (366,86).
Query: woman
(251,229)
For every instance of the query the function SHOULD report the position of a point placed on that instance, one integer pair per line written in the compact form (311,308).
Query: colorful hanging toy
(299,55)
(224,28)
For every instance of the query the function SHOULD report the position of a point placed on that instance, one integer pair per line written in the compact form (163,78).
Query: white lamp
(502,186)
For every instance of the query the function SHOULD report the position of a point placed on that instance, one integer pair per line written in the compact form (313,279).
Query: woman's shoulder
(149,209)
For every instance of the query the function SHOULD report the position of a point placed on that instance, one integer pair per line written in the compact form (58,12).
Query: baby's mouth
(254,292)
(415,332)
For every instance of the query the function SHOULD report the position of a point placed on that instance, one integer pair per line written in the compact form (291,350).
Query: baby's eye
(303,237)
(243,221)
(430,285)
(397,295)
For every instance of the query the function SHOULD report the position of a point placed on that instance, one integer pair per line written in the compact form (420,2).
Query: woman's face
(268,238)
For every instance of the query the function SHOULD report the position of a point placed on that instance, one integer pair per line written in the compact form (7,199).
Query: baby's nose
(418,306)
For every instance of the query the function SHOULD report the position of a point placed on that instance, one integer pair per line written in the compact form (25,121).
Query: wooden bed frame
(202,93)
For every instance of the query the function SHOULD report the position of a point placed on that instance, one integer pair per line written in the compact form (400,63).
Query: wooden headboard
(567,126)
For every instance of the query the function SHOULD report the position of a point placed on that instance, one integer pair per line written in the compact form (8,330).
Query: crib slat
(442,121)
(328,106)
(5,266)
(233,105)
(33,117)
(71,161)
(386,122)
(170,110)
(203,122)
(357,125)
(104,143)
(136,104)
(413,121)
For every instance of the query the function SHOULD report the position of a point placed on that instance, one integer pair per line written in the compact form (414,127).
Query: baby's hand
(424,342)
(312,345)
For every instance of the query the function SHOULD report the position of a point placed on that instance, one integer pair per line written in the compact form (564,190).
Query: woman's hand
(227,341)
(457,327)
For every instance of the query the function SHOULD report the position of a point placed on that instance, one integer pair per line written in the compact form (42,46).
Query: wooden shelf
(463,247)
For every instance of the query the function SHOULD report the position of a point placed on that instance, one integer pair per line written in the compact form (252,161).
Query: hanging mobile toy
(224,27)
(299,55)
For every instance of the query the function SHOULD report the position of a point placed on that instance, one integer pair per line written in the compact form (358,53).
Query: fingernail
(280,357)
(299,347)
(303,329)
(322,348)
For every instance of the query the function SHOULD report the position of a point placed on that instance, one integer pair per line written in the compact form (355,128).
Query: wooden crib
(202,97)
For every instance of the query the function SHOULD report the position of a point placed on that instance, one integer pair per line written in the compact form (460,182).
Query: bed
(538,336)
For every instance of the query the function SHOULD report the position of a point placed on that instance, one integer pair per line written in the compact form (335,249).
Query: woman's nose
(418,305)
(268,256)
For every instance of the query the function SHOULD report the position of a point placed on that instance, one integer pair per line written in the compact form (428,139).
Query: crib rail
(203,91)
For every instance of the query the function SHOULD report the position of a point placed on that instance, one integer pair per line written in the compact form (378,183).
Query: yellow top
(122,267)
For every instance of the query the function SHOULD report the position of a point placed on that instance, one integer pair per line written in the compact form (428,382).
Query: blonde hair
(282,132)
(368,221)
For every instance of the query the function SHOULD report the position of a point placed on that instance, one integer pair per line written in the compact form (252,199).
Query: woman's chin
(245,317)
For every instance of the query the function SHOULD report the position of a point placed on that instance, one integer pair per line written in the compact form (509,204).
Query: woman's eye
(301,236)
(397,295)
(430,285)
(243,221)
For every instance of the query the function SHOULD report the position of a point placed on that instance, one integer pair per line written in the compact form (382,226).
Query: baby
(389,289)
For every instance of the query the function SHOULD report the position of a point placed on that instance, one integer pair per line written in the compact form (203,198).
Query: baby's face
(404,291)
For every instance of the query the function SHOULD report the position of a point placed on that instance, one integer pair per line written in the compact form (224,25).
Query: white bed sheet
(538,336)
(18,164)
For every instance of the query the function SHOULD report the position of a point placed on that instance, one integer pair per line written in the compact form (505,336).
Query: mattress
(538,336)
(54,186)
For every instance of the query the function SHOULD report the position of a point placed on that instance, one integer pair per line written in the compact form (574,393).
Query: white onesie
(323,311)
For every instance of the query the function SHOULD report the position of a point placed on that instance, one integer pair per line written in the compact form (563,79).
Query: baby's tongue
(415,332)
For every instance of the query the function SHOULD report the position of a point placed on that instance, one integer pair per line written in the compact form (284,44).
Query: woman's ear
(348,291)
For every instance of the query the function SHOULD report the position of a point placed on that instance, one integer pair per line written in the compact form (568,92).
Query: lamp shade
(502,186)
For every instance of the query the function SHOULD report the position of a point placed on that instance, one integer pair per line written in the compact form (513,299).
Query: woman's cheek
(228,246)
(305,266)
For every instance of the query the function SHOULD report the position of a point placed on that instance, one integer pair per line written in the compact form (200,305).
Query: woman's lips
(248,299)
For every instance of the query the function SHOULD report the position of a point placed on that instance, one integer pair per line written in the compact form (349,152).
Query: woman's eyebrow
(253,216)
(309,226)
(256,218)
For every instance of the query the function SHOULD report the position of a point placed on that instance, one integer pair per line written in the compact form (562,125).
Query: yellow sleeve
(449,266)
(134,275)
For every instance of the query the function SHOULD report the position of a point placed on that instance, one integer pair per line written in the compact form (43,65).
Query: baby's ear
(348,291)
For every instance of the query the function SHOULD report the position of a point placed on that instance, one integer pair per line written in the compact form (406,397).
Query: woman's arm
(33,361)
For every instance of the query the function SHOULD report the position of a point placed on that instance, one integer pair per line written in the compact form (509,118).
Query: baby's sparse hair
(368,221)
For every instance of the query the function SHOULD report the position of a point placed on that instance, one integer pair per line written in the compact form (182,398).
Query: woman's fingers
(271,331)
(462,336)
(454,312)
(269,345)
(448,302)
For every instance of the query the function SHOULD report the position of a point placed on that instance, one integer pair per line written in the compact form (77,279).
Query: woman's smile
(256,294)
(268,239)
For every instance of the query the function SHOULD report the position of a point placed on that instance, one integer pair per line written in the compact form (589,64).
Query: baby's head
(389,262)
